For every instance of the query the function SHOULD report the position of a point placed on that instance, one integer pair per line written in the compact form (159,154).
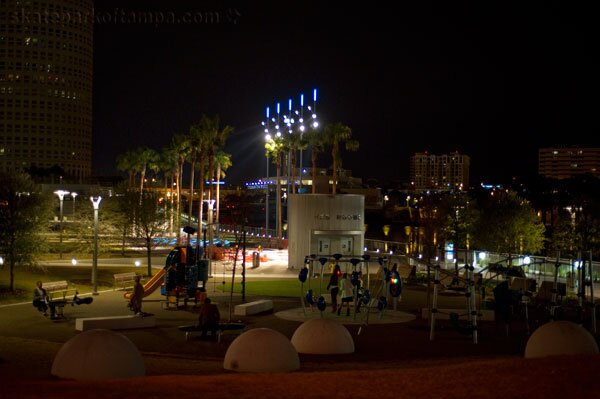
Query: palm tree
(126,163)
(215,141)
(180,146)
(336,134)
(294,142)
(197,145)
(317,141)
(169,165)
(274,148)
(223,162)
(144,158)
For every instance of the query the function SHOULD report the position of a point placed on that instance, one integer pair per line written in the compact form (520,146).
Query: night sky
(494,81)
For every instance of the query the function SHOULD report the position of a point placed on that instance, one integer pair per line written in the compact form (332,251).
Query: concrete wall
(325,224)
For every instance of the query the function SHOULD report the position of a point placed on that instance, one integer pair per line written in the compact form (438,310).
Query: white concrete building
(324,225)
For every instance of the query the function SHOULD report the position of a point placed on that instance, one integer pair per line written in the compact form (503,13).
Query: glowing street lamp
(74,195)
(96,205)
(61,196)
(293,121)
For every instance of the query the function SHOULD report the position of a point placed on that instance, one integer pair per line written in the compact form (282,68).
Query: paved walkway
(394,358)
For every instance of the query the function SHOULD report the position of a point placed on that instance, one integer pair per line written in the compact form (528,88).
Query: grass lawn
(281,288)
(79,278)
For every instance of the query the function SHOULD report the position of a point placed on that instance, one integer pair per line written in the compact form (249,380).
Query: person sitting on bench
(42,302)
(209,318)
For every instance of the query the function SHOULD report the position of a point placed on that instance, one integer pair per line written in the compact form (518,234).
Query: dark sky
(493,80)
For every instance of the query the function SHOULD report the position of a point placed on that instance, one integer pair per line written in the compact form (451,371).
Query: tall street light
(295,120)
(74,195)
(96,205)
(61,196)
(267,138)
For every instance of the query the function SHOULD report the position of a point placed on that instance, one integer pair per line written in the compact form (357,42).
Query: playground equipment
(373,295)
(524,286)
(182,272)
(178,280)
(469,291)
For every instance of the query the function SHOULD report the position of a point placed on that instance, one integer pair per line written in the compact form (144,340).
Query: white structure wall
(324,225)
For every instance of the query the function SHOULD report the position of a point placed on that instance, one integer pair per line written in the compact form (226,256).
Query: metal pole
(96,205)
(267,200)
(433,310)
(61,228)
(301,168)
(592,293)
(95,263)
(555,287)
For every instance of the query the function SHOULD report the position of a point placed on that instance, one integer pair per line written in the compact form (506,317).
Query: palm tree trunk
(211,173)
(142,177)
(178,213)
(334,154)
(279,216)
(293,171)
(313,157)
(201,206)
(191,198)
(171,201)
(218,190)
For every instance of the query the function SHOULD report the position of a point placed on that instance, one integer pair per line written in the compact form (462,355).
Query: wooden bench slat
(54,287)
(123,278)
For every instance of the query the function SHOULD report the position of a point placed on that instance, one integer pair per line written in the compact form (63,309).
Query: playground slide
(151,285)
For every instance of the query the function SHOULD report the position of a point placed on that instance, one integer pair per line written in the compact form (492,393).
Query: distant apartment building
(564,163)
(439,172)
(46,65)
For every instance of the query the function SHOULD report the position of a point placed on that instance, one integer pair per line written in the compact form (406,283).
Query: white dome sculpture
(98,355)
(261,350)
(322,337)
(560,338)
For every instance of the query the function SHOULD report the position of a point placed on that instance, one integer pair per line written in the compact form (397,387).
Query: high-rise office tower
(46,65)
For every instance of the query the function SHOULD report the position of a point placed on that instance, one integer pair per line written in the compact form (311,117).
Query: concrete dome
(322,337)
(98,355)
(261,350)
(560,338)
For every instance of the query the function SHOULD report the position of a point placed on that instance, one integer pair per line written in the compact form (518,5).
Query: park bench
(255,307)
(123,279)
(235,328)
(57,288)
(57,293)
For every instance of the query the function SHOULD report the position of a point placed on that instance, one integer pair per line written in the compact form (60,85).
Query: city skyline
(495,82)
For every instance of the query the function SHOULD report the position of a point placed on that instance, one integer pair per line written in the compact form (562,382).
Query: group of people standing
(341,284)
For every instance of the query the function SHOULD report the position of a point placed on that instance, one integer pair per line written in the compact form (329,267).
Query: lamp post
(74,195)
(61,196)
(267,197)
(209,225)
(96,205)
